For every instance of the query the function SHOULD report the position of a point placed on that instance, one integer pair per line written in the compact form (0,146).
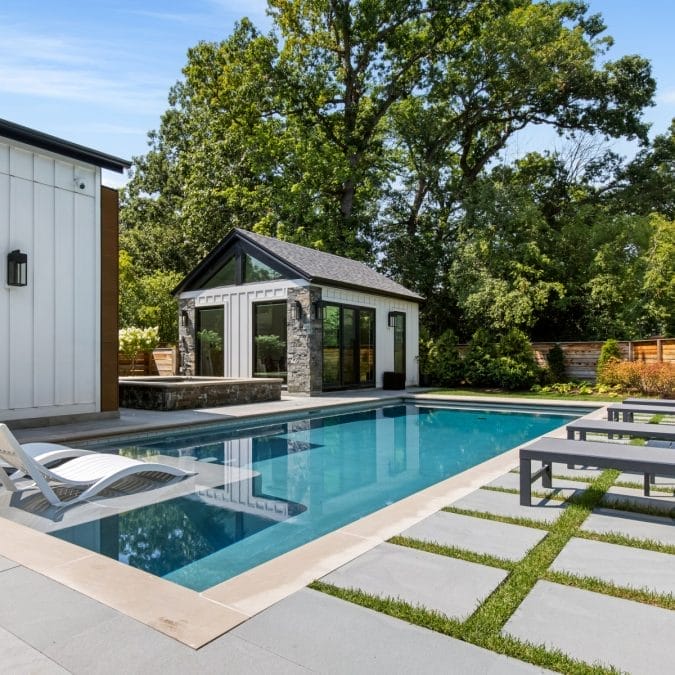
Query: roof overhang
(38,139)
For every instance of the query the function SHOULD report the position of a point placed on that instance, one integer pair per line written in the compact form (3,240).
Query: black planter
(391,380)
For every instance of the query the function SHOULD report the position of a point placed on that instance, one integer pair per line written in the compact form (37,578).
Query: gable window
(225,276)
(255,270)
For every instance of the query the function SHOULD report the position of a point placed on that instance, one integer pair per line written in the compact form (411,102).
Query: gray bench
(662,432)
(646,460)
(627,411)
(650,401)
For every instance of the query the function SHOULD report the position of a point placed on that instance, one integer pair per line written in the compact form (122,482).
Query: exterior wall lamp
(316,309)
(391,322)
(296,310)
(17,268)
(184,318)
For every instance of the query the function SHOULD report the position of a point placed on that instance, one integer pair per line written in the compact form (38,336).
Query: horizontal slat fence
(581,358)
(161,361)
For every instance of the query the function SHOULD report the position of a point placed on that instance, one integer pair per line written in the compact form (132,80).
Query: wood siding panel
(4,289)
(109,293)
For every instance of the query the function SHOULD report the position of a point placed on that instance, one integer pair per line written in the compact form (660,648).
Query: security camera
(80,183)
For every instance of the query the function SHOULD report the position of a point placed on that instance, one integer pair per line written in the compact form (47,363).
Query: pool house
(261,307)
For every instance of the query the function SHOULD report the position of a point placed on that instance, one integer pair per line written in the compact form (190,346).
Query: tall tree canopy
(369,128)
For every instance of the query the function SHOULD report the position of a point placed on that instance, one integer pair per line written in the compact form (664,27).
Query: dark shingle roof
(320,267)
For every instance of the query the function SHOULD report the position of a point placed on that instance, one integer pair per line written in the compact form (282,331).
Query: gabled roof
(307,263)
(16,132)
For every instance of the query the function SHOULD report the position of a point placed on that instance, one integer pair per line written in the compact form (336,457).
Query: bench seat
(662,432)
(627,411)
(646,460)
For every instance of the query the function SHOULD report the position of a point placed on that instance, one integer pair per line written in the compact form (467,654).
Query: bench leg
(570,434)
(547,475)
(526,482)
(646,485)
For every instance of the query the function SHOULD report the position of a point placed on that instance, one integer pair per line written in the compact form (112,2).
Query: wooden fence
(581,358)
(162,361)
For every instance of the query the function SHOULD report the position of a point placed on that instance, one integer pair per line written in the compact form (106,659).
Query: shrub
(443,361)
(133,341)
(610,352)
(479,358)
(515,366)
(555,358)
(656,379)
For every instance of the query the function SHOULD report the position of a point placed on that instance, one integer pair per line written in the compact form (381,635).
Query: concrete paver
(18,657)
(476,534)
(637,525)
(657,500)
(439,583)
(628,635)
(506,504)
(329,635)
(562,488)
(620,565)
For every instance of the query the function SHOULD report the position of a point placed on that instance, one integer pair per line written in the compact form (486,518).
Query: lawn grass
(502,393)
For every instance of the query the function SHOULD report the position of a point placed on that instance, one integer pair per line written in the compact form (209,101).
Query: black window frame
(254,348)
(358,385)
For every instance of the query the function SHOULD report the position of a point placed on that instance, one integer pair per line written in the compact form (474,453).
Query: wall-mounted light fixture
(316,309)
(184,318)
(296,310)
(17,268)
(392,319)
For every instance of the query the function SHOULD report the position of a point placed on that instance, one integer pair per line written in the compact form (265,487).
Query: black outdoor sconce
(17,268)
(316,309)
(296,310)
(184,318)
(392,319)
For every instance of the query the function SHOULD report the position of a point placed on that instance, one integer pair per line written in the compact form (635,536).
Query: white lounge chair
(92,472)
(44,453)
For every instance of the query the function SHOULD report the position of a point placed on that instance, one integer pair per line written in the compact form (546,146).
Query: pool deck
(64,609)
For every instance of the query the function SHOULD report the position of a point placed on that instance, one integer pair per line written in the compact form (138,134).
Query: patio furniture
(627,411)
(44,453)
(650,401)
(646,460)
(663,432)
(91,473)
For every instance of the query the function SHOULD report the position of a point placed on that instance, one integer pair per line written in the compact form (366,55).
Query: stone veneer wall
(304,356)
(187,349)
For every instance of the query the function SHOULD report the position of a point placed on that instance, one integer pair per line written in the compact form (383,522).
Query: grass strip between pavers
(455,552)
(509,520)
(645,595)
(483,628)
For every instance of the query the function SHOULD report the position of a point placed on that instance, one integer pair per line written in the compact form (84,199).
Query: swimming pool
(268,489)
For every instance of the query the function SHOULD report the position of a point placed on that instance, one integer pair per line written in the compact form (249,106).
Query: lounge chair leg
(646,485)
(526,482)
(547,476)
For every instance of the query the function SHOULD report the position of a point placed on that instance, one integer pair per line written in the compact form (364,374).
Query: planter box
(391,380)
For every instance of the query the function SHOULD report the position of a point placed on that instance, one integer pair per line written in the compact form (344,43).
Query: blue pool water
(307,477)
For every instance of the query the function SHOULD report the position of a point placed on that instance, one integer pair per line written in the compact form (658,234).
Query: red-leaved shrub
(647,378)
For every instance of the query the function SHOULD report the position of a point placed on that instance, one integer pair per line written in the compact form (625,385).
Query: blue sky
(98,72)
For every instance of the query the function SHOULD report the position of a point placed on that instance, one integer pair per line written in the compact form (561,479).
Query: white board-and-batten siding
(238,301)
(50,329)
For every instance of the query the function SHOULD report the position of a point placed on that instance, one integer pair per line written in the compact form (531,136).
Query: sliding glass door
(348,347)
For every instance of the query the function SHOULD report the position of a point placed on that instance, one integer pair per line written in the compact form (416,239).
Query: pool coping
(196,618)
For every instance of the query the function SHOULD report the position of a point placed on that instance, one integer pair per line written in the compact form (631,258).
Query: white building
(258,306)
(58,317)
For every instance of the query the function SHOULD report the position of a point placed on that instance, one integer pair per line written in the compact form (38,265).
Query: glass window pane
(269,340)
(367,346)
(225,276)
(210,341)
(349,339)
(331,345)
(399,344)
(254,270)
